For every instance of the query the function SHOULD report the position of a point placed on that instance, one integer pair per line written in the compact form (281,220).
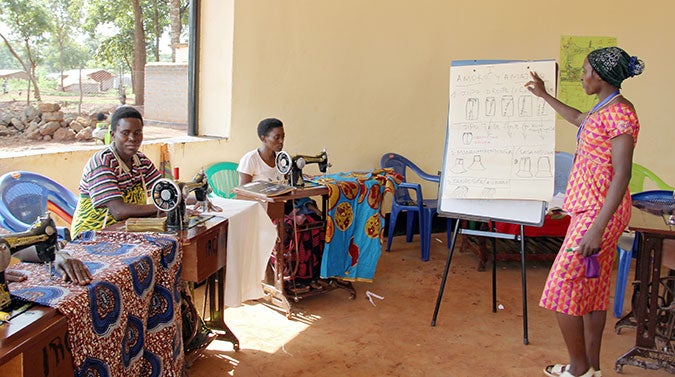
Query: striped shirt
(104,179)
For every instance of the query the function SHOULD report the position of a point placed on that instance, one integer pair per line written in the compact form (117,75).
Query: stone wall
(45,122)
(166,94)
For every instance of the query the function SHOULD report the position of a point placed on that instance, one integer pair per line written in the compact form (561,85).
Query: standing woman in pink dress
(599,204)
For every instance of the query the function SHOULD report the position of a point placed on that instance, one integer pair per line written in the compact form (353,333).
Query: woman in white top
(259,164)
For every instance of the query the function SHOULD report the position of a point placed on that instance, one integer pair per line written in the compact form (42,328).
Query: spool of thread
(4,316)
(175,173)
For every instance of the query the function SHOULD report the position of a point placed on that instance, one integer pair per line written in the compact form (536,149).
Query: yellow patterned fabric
(87,217)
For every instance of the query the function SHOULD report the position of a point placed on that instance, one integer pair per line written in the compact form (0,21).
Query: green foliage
(27,19)
(65,52)
(75,55)
(7,61)
(69,34)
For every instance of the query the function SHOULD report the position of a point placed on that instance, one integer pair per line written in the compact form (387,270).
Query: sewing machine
(170,196)
(39,242)
(285,164)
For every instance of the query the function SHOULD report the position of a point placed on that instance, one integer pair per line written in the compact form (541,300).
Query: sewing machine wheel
(283,162)
(165,194)
(300,163)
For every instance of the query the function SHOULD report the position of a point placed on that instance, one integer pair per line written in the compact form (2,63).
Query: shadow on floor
(332,335)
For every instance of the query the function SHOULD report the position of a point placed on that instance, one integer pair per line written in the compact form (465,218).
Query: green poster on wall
(573,51)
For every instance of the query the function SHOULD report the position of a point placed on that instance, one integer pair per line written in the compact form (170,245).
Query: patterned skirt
(567,289)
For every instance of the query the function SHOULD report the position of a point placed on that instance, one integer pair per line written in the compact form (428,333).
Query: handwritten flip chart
(500,137)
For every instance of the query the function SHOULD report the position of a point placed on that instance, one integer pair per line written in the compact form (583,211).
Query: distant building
(13,74)
(93,80)
(166,92)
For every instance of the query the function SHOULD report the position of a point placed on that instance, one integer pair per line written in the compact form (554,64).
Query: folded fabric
(592,266)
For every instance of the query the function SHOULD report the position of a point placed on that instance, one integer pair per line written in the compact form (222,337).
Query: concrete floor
(332,335)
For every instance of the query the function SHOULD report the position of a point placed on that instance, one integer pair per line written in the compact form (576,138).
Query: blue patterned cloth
(127,322)
(355,223)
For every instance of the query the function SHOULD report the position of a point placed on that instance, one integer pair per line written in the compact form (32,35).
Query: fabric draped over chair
(355,223)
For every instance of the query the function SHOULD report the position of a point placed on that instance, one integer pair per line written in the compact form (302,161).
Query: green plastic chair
(640,174)
(223,177)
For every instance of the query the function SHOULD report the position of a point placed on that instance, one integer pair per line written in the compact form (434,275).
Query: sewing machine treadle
(276,294)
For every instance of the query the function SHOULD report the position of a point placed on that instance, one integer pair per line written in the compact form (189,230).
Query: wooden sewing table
(34,343)
(38,335)
(655,338)
(273,286)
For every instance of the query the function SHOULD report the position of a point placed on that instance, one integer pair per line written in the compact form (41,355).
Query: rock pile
(47,122)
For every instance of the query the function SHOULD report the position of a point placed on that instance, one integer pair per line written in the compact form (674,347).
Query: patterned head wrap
(615,65)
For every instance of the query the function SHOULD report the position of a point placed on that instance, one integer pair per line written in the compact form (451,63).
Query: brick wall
(166,92)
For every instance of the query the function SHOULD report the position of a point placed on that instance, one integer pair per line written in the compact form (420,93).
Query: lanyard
(595,108)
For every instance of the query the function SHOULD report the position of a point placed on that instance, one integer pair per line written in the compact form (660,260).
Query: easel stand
(493,236)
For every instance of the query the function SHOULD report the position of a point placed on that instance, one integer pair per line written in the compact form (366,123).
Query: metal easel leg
(524,283)
(445,273)
(494,269)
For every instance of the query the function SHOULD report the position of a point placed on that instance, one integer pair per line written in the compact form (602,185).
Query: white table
(250,240)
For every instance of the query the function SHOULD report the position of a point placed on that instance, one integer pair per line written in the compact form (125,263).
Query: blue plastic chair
(223,177)
(403,202)
(563,167)
(628,246)
(24,196)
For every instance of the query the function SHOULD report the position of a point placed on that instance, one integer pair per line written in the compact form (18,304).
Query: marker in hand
(571,249)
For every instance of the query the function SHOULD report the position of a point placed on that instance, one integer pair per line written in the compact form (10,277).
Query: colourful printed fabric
(303,246)
(355,223)
(105,179)
(592,171)
(127,322)
(567,290)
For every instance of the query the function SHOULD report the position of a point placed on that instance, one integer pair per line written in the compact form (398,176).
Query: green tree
(28,22)
(7,60)
(176,26)
(137,25)
(158,22)
(65,19)
(68,55)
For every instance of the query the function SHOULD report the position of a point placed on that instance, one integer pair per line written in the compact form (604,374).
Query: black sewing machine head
(170,196)
(41,239)
(285,164)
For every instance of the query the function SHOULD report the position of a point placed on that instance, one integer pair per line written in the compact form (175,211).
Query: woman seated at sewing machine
(260,163)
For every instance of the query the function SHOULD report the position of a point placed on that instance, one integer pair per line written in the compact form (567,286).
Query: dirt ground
(331,335)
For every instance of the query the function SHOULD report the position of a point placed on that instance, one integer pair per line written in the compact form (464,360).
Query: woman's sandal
(556,370)
(589,373)
(560,370)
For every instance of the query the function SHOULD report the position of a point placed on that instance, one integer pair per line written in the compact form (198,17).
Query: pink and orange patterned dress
(567,290)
